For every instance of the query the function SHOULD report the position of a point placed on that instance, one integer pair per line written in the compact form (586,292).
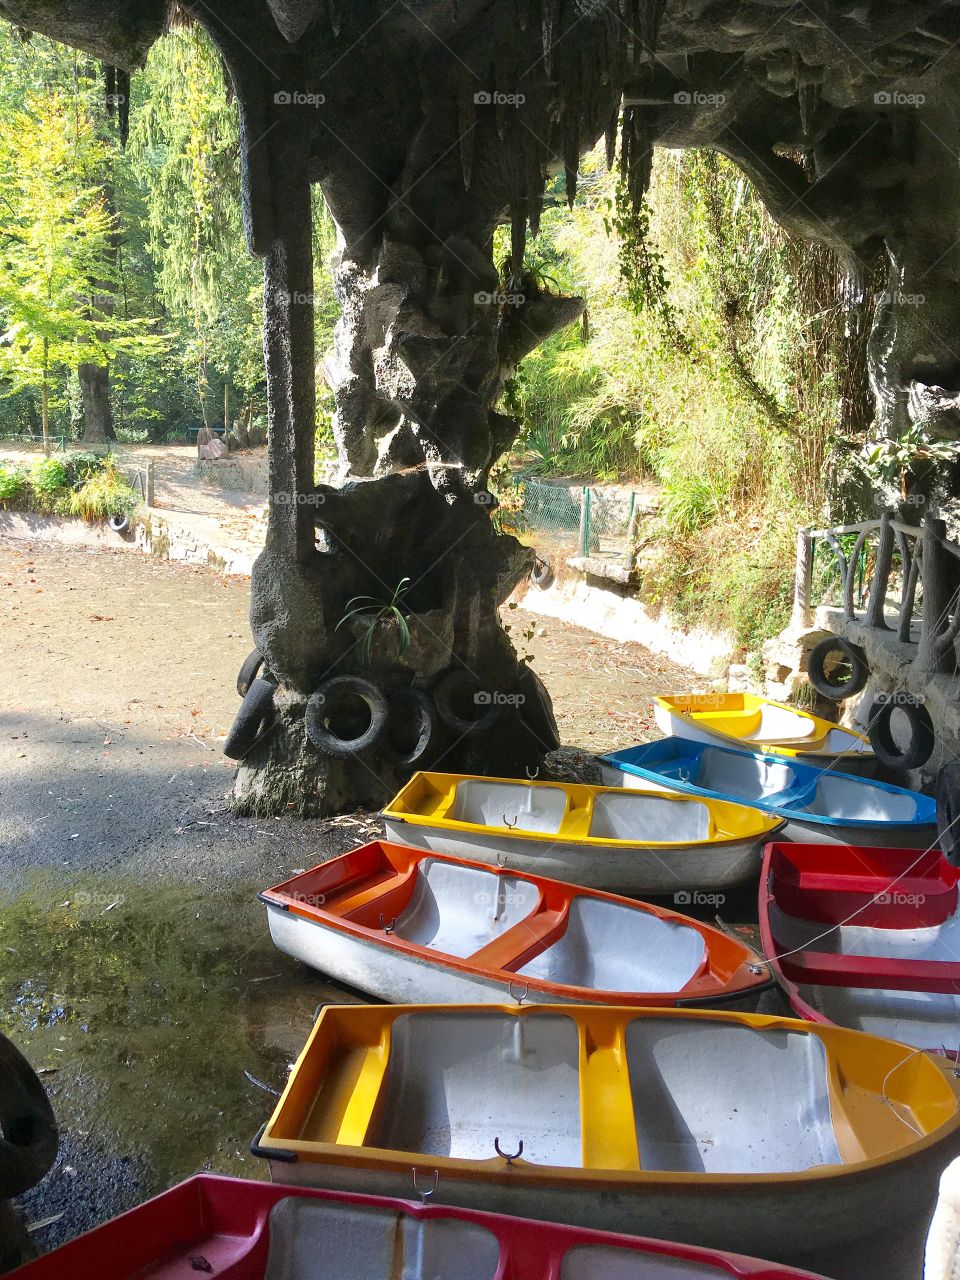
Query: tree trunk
(97,415)
(45,402)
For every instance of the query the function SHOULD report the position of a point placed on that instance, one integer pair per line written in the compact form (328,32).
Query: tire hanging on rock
(255,714)
(334,693)
(28,1127)
(427,723)
(450,688)
(920,742)
(817,669)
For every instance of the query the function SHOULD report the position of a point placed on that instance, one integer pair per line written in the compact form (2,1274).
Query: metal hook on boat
(508,823)
(501,859)
(426,1195)
(387,928)
(509,1159)
(532,775)
(519,995)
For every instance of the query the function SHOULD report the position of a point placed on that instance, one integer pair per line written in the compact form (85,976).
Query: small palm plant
(380,616)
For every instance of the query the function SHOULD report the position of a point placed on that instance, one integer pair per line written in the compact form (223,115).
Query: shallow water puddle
(149,1009)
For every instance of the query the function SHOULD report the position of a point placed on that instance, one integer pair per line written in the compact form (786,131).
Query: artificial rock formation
(426,123)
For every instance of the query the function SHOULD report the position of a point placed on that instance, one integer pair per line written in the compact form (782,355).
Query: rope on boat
(883,1091)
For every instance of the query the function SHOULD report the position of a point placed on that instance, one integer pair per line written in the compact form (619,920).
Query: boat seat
(387,896)
(823,968)
(523,941)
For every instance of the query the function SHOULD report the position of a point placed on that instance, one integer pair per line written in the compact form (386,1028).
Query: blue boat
(819,805)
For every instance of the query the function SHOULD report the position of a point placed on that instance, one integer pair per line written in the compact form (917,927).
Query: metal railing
(930,565)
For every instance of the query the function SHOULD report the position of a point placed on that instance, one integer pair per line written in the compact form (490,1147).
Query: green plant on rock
(104,493)
(13,484)
(380,620)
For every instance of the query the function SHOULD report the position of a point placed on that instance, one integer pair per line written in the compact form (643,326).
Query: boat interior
(374,1243)
(567,811)
(601,1089)
(877,929)
(542,931)
(749,718)
(777,784)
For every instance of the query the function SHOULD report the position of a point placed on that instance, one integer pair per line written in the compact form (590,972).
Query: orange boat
(407,925)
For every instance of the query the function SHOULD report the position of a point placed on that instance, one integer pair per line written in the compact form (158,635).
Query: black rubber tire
(28,1127)
(428,725)
(542,575)
(256,711)
(919,748)
(119,523)
(948,811)
(816,668)
(249,671)
(338,689)
(448,687)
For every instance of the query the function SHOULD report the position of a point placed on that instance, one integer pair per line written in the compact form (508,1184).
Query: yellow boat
(711,1128)
(746,719)
(610,838)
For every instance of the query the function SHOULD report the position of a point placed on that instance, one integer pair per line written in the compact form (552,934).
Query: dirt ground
(136,969)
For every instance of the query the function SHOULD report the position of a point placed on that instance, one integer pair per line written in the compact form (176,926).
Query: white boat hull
(401,978)
(642,869)
(890,835)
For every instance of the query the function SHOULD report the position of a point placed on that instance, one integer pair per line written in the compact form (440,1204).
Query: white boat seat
(727,1099)
(515,805)
(456,1081)
(459,910)
(311,1239)
(609,947)
(631,815)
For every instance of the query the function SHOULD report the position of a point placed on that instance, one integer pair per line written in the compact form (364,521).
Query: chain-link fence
(566,522)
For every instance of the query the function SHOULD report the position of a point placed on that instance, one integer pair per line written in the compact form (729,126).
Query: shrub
(13,485)
(48,481)
(103,494)
(80,465)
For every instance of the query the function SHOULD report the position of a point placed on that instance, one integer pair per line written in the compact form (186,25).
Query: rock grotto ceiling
(426,123)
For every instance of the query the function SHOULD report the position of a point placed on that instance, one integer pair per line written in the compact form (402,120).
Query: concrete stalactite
(848,123)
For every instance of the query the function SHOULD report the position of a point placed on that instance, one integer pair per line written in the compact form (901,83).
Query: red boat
(866,938)
(239,1230)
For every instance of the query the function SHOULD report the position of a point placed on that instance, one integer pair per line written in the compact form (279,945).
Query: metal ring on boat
(326,698)
(817,668)
(509,1159)
(425,1195)
(920,742)
(28,1128)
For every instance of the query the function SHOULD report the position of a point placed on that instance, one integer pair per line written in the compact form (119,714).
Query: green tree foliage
(718,367)
(57,251)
